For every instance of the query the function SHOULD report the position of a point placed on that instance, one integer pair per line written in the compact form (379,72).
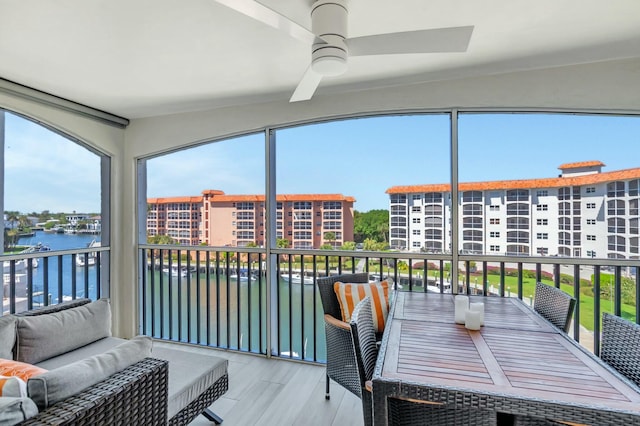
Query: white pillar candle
(478,306)
(472,320)
(461,306)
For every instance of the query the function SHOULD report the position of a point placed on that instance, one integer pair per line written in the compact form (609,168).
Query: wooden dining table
(517,365)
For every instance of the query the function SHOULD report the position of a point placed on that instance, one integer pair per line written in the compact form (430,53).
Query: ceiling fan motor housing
(329,23)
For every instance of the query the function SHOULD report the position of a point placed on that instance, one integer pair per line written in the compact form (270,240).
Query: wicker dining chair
(620,347)
(341,364)
(554,305)
(401,412)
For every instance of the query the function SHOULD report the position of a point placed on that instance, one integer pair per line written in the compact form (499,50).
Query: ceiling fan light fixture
(329,65)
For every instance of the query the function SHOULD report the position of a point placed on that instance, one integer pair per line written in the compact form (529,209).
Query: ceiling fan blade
(454,39)
(307,86)
(270,17)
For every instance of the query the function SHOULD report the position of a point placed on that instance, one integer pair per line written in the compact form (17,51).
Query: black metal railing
(51,277)
(230,298)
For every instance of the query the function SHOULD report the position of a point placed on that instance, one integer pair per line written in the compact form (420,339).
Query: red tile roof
(220,196)
(581,164)
(523,183)
(285,197)
(166,200)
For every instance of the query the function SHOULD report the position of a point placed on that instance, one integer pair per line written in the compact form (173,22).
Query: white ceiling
(142,58)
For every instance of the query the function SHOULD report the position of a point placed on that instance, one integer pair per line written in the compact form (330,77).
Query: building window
(564,193)
(633,187)
(472,222)
(542,236)
(591,253)
(543,251)
(564,238)
(398,198)
(591,205)
(542,193)
(472,235)
(398,221)
(616,225)
(615,189)
(472,210)
(591,221)
(517,223)
(433,197)
(518,209)
(472,196)
(416,244)
(416,209)
(517,237)
(590,189)
(615,207)
(616,243)
(304,205)
(415,220)
(494,248)
(494,234)
(415,232)
(415,197)
(494,208)
(542,221)
(591,237)
(433,234)
(542,207)
(518,195)
(494,221)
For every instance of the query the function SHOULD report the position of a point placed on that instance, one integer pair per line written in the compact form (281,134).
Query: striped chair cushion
(350,294)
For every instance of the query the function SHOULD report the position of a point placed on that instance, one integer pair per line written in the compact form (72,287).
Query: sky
(361,158)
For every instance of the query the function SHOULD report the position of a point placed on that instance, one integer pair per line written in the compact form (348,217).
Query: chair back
(365,351)
(364,340)
(328,296)
(620,347)
(554,305)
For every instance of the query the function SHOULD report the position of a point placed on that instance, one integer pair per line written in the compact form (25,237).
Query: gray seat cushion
(190,374)
(55,385)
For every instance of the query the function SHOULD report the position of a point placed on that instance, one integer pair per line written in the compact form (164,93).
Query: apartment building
(307,221)
(584,212)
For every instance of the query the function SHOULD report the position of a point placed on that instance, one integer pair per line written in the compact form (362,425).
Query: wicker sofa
(165,386)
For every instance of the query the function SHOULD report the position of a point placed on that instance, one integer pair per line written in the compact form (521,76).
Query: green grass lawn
(586,302)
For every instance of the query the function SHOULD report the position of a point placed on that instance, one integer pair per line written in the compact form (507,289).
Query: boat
(20,265)
(244,276)
(174,271)
(297,278)
(37,248)
(91,258)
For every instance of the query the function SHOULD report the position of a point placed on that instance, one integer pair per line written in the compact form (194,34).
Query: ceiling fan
(330,46)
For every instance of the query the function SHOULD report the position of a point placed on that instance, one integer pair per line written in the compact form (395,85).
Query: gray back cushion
(44,336)
(7,336)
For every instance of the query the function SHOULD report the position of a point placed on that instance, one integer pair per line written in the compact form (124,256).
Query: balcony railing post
(596,310)
(576,295)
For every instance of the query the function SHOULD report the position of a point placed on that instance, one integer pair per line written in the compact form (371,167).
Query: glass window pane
(550,173)
(360,165)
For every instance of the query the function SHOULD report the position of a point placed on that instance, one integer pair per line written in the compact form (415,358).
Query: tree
(330,238)
(282,243)
(161,239)
(373,224)
(348,246)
